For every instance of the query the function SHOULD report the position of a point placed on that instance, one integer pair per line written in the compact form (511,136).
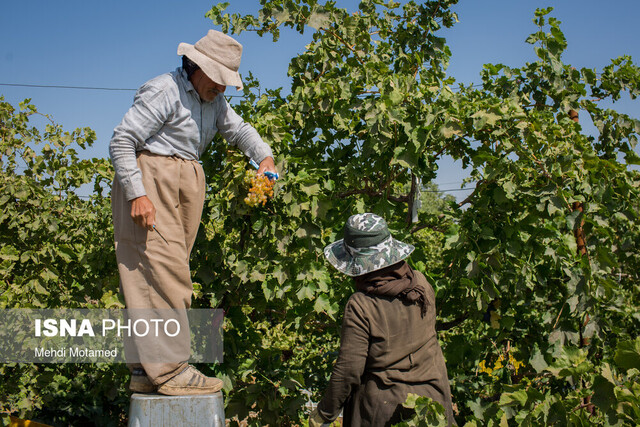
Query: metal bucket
(155,410)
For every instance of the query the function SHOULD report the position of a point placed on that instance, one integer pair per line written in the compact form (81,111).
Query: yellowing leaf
(318,20)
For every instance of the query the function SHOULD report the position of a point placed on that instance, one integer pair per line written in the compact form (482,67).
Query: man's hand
(315,420)
(267,165)
(143,212)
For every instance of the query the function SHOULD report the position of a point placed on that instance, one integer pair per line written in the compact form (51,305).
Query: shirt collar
(182,75)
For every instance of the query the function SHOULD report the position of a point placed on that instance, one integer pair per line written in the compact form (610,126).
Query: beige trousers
(154,273)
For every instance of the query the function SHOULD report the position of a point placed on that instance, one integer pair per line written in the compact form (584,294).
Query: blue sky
(121,44)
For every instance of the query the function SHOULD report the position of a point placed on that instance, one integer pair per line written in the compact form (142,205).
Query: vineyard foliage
(537,272)
(56,251)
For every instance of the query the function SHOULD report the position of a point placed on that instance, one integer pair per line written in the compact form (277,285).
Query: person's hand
(143,212)
(267,165)
(315,420)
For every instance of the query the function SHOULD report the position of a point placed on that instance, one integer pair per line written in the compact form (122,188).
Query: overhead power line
(117,88)
(448,190)
(85,88)
(114,88)
(65,87)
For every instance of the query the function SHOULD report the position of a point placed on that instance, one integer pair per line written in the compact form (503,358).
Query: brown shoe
(140,383)
(189,382)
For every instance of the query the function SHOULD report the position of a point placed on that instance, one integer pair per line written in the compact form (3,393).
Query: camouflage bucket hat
(367,246)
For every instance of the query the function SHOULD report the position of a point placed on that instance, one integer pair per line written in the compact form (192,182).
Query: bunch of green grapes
(261,189)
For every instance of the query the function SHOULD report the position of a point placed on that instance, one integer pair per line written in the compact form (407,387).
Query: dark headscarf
(395,280)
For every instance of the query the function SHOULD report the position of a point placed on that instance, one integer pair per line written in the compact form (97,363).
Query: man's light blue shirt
(169,118)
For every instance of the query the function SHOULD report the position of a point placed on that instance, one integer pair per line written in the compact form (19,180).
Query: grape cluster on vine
(260,191)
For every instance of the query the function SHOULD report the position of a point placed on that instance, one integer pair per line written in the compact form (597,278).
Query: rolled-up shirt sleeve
(150,110)
(350,366)
(241,134)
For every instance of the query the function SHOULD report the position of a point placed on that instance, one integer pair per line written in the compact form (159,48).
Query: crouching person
(388,343)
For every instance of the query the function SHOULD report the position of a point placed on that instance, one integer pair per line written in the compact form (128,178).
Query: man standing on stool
(159,190)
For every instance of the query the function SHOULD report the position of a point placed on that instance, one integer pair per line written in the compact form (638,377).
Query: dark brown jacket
(387,350)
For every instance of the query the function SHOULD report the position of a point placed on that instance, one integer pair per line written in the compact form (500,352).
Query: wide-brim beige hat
(218,56)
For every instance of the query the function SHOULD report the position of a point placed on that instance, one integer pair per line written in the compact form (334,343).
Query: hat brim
(213,69)
(368,259)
